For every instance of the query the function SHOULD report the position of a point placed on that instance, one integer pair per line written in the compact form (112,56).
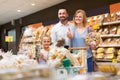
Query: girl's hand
(42,56)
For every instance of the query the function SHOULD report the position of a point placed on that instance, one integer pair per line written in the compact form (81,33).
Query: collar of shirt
(63,24)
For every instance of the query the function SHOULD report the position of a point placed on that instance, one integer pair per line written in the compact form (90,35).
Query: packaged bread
(106,17)
(113,17)
(100,50)
(56,56)
(97,20)
(118,55)
(107,41)
(119,42)
(113,29)
(107,68)
(100,31)
(99,55)
(73,59)
(114,41)
(101,17)
(118,30)
(109,56)
(29,32)
(105,30)
(110,50)
(118,15)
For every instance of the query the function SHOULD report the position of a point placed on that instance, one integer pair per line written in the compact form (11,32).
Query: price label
(114,60)
(8,38)
(97,26)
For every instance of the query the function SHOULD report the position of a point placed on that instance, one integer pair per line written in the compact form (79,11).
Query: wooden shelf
(105,60)
(110,35)
(110,45)
(111,23)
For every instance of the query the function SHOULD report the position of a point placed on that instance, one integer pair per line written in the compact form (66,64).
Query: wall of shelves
(110,38)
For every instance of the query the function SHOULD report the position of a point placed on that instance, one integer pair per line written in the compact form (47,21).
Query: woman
(78,35)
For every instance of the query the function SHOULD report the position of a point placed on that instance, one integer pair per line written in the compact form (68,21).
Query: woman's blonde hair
(84,16)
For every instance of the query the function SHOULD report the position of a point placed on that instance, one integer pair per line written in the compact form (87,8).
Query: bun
(100,50)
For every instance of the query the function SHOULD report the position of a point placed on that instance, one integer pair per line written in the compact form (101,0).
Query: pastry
(92,37)
(113,29)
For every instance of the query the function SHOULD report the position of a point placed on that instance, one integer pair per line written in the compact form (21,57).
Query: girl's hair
(45,36)
(84,16)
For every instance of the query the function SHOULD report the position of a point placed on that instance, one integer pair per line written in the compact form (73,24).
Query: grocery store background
(15,16)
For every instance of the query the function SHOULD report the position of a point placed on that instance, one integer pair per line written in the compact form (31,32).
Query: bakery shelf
(117,45)
(110,23)
(105,60)
(110,35)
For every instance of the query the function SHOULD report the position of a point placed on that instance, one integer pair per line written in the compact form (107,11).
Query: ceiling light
(18,10)
(33,4)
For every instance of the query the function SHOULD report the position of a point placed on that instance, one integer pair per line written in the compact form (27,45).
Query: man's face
(62,15)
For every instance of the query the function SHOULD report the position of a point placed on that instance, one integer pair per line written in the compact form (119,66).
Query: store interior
(107,54)
(46,17)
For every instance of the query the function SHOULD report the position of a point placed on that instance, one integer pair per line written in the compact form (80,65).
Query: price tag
(97,26)
(8,38)
(114,60)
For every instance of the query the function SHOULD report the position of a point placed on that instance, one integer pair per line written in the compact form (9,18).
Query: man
(62,28)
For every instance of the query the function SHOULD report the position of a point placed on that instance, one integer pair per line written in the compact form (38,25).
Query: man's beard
(63,19)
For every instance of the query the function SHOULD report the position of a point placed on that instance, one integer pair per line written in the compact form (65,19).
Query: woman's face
(79,18)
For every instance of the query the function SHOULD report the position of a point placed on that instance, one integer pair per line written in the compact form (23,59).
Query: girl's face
(79,18)
(46,42)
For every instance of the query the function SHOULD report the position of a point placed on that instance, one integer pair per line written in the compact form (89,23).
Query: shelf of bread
(108,49)
(104,20)
(31,39)
(108,54)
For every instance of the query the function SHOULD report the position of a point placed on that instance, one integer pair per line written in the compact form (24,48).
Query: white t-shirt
(45,54)
(60,31)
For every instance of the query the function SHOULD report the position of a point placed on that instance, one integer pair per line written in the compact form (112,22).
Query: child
(44,52)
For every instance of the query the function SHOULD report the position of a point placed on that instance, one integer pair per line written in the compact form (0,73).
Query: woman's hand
(92,45)
(69,34)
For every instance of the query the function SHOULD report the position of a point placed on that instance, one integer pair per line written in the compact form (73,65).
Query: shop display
(66,64)
(31,41)
(110,38)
